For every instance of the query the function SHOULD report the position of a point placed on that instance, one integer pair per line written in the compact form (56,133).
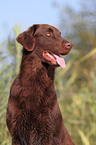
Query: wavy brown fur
(33,114)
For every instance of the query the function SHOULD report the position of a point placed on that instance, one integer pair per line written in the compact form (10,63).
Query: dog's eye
(48,34)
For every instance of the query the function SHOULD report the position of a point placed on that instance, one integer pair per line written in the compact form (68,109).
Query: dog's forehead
(47,28)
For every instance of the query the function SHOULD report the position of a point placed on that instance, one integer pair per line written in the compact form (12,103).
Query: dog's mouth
(54,59)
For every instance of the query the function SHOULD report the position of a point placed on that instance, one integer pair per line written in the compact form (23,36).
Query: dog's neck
(37,79)
(35,70)
(50,70)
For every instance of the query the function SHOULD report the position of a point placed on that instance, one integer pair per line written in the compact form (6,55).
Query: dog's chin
(48,63)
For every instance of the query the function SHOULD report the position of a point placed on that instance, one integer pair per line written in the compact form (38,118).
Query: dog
(33,115)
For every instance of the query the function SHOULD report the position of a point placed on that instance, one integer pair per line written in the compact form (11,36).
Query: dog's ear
(27,38)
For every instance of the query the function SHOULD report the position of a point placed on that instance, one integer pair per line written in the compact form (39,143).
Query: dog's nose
(68,45)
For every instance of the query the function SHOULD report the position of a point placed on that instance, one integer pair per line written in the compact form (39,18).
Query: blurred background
(76,84)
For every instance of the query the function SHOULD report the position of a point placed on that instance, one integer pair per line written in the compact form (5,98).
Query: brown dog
(33,114)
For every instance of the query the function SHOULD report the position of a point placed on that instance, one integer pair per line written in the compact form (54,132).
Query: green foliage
(76,84)
(77,101)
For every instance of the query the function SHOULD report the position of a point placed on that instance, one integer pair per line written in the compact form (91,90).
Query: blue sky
(29,12)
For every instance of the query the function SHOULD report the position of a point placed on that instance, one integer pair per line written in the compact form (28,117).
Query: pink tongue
(60,61)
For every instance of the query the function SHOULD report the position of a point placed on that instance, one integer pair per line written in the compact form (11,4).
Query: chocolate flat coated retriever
(33,114)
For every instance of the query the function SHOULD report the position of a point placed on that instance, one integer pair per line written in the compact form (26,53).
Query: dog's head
(46,42)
